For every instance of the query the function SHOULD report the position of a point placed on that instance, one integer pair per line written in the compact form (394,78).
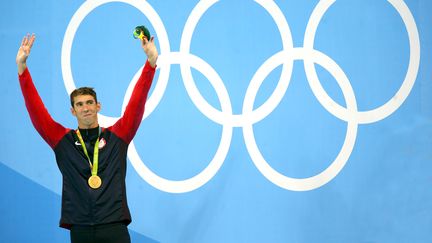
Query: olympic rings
(249,116)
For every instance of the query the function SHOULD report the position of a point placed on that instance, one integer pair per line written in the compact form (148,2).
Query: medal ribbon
(94,165)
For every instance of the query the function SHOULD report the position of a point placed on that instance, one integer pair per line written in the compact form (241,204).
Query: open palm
(25,48)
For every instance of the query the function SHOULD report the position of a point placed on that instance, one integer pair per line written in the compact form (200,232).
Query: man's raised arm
(128,124)
(50,130)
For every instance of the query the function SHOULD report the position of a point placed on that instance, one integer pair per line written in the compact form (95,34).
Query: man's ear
(98,106)
(73,111)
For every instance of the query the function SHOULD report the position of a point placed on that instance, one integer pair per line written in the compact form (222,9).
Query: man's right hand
(24,52)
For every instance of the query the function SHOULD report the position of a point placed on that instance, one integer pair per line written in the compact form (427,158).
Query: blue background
(383,194)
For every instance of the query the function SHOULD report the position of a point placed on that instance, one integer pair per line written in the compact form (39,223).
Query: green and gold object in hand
(140,32)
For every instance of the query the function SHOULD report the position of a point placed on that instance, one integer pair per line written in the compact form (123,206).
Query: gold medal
(94,181)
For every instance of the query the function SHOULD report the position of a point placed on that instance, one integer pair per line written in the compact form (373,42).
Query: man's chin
(88,122)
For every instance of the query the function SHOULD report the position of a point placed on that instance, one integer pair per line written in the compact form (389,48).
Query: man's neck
(83,126)
(89,134)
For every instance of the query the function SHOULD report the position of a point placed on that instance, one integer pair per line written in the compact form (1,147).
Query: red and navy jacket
(82,205)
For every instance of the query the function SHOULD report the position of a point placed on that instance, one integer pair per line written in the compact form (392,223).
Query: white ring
(215,164)
(200,102)
(396,101)
(337,165)
(75,22)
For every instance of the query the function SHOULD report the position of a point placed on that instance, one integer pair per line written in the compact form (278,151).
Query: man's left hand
(150,50)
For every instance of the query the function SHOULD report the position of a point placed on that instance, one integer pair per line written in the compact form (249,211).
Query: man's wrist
(152,61)
(22,67)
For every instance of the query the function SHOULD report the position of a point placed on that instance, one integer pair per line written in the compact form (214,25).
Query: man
(92,159)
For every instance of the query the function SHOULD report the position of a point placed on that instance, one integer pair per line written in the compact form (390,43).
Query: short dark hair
(82,91)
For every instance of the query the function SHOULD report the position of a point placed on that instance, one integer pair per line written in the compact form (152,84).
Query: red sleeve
(51,131)
(128,124)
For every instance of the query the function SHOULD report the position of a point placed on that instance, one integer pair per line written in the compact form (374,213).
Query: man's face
(85,109)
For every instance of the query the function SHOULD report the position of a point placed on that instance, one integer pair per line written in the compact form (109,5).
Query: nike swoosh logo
(77,143)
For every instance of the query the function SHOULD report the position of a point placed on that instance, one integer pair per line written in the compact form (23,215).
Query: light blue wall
(341,153)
